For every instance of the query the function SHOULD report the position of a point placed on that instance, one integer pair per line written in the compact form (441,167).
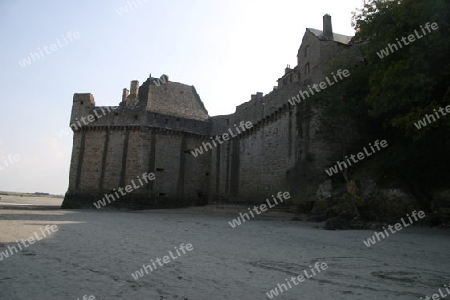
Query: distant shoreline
(44,195)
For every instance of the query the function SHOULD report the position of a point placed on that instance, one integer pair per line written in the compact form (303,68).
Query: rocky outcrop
(440,205)
(362,204)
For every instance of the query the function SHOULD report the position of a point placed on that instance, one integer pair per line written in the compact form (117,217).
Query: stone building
(159,124)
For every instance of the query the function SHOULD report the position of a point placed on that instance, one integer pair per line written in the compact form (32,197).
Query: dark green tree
(397,85)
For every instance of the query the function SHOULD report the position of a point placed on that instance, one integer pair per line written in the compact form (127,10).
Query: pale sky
(227,49)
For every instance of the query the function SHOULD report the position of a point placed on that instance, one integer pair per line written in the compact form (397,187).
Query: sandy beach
(94,252)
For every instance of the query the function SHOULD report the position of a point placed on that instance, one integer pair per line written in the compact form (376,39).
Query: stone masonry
(158,124)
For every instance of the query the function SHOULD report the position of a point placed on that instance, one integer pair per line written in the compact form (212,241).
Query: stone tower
(158,125)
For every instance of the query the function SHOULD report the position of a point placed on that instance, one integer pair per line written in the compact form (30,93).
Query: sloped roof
(340,38)
(176,99)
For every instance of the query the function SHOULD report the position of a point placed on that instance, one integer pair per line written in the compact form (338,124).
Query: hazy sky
(227,49)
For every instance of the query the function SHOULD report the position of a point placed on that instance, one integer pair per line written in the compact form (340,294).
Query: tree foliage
(387,96)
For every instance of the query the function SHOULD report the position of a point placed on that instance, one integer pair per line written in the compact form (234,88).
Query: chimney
(288,69)
(327,27)
(125,94)
(134,87)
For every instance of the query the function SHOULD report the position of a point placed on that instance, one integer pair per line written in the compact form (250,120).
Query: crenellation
(81,106)
(159,125)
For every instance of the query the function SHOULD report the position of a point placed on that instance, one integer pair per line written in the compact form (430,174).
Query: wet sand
(95,252)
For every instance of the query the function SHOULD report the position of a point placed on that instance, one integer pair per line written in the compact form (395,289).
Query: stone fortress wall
(129,141)
(158,124)
(282,152)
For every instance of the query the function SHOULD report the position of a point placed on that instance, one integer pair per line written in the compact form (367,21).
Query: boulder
(319,213)
(368,188)
(357,223)
(324,190)
(337,223)
(440,205)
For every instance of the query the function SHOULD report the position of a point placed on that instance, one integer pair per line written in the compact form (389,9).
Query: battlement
(83,103)
(163,127)
(108,117)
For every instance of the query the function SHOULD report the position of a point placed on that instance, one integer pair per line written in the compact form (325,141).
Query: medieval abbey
(159,124)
